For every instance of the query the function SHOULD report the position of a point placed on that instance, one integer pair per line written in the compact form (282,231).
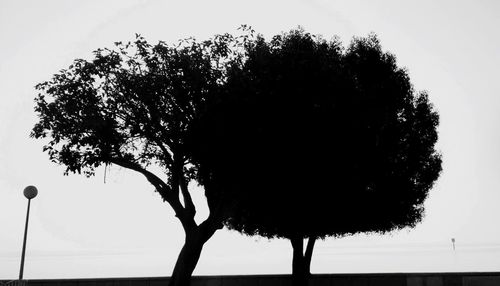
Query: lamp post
(29,192)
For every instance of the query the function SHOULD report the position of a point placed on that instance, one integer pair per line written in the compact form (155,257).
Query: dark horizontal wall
(398,279)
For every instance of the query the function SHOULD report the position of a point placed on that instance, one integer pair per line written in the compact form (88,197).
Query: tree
(133,107)
(317,141)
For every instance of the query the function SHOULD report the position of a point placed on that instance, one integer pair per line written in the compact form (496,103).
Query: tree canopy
(134,106)
(320,140)
(296,137)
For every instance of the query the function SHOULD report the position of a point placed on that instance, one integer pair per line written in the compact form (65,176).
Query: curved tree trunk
(190,254)
(301,262)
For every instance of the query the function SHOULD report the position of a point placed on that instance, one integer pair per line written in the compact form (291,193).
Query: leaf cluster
(318,140)
(134,103)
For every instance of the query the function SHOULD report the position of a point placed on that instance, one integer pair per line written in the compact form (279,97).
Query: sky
(117,226)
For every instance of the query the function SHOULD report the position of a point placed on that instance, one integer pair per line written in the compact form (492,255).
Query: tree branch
(308,253)
(209,227)
(188,201)
(161,187)
(158,183)
(167,155)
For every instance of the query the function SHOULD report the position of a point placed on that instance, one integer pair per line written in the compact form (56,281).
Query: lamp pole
(29,192)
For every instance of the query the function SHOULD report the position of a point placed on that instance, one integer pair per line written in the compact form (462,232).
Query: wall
(398,279)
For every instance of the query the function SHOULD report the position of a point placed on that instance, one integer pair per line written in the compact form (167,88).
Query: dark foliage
(316,140)
(134,107)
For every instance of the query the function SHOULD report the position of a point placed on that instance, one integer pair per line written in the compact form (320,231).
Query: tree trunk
(308,254)
(299,275)
(190,254)
(301,262)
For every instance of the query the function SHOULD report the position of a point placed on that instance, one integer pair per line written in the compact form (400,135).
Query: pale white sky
(87,228)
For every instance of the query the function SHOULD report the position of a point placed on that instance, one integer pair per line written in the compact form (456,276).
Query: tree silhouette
(133,107)
(317,140)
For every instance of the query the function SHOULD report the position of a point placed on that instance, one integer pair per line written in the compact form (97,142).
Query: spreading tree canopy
(134,106)
(319,140)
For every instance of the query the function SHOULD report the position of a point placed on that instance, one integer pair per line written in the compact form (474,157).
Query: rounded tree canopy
(315,139)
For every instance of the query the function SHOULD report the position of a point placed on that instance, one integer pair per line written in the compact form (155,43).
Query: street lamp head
(30,192)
